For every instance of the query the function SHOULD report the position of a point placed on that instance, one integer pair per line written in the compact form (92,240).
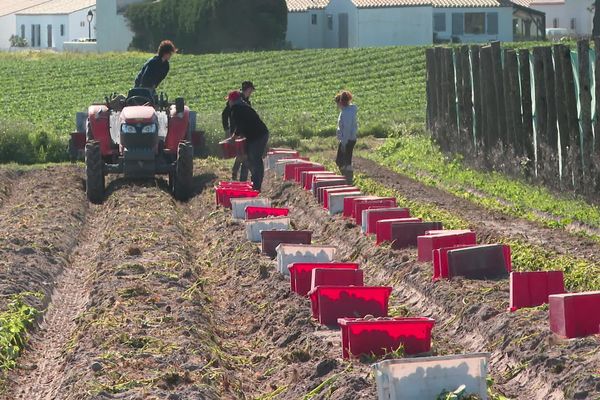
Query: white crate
(296,253)
(426,377)
(255,226)
(271,159)
(280,165)
(238,206)
(335,203)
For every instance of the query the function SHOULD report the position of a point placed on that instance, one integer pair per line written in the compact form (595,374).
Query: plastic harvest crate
(380,336)
(332,302)
(224,195)
(254,227)
(272,239)
(336,277)
(238,206)
(253,212)
(296,253)
(301,274)
(426,377)
(335,202)
(371,216)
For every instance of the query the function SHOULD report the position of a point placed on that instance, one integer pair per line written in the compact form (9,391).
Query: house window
(458,24)
(82,24)
(475,23)
(23,31)
(492,23)
(330,22)
(313,19)
(62,29)
(35,35)
(49,36)
(439,22)
(555,23)
(573,24)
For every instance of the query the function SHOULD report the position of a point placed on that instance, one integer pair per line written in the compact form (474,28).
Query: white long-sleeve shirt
(347,124)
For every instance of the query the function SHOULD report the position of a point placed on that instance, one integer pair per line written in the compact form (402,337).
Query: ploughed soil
(156,299)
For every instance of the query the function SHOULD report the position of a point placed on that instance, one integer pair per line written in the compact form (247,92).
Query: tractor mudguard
(99,123)
(178,129)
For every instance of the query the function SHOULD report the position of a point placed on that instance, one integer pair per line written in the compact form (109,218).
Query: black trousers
(255,150)
(239,165)
(344,154)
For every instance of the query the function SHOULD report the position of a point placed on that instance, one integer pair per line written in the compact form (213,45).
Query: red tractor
(139,136)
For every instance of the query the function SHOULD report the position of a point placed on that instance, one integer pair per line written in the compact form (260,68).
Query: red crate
(339,189)
(474,262)
(336,277)
(272,239)
(575,315)
(429,242)
(379,337)
(440,261)
(349,204)
(332,302)
(232,149)
(255,212)
(224,195)
(234,184)
(531,289)
(314,167)
(319,183)
(383,228)
(405,234)
(301,274)
(321,191)
(289,172)
(360,205)
(374,215)
(307,178)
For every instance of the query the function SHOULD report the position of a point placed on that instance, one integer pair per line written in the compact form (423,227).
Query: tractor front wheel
(184,171)
(94,171)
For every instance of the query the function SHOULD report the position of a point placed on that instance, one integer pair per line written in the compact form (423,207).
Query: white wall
(76,30)
(72,27)
(577,9)
(297,29)
(505,27)
(335,8)
(395,26)
(113,32)
(7,29)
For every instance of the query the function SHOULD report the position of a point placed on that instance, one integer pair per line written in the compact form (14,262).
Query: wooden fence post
(489,100)
(499,89)
(468,97)
(452,112)
(561,103)
(477,113)
(526,138)
(514,96)
(549,147)
(585,101)
(508,106)
(596,153)
(540,100)
(573,163)
(458,143)
(441,75)
(430,88)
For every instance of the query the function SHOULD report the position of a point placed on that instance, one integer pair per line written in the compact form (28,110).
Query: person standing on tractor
(347,130)
(239,164)
(155,70)
(249,125)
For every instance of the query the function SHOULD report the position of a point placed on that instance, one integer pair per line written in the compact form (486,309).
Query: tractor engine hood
(138,115)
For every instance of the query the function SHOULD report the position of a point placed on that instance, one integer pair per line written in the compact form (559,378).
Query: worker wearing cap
(229,128)
(249,125)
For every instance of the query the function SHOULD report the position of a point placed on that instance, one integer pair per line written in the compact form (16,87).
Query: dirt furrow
(489,223)
(42,368)
(7,180)
(527,361)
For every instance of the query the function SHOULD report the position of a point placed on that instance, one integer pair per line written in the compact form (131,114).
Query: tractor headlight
(128,129)
(149,129)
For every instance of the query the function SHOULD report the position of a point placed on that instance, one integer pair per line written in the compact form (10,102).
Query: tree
(17,41)
(202,26)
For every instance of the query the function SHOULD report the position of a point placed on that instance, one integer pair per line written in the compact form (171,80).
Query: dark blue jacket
(153,72)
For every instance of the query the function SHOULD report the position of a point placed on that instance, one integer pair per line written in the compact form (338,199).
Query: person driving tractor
(155,70)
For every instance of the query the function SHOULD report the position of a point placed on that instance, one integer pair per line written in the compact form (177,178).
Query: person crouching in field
(249,125)
(347,129)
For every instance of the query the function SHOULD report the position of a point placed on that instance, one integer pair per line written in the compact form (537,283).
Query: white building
(574,15)
(50,24)
(8,19)
(112,28)
(367,23)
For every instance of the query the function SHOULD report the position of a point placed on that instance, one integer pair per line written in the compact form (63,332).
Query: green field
(295,88)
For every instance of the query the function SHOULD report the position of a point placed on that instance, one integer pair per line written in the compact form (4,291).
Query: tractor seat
(140,96)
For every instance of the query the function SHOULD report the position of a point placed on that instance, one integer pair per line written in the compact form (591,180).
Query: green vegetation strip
(14,324)
(416,156)
(580,275)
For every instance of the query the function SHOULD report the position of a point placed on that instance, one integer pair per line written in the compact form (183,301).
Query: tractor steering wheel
(138,101)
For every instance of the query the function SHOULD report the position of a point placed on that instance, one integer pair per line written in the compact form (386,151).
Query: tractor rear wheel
(184,171)
(94,171)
